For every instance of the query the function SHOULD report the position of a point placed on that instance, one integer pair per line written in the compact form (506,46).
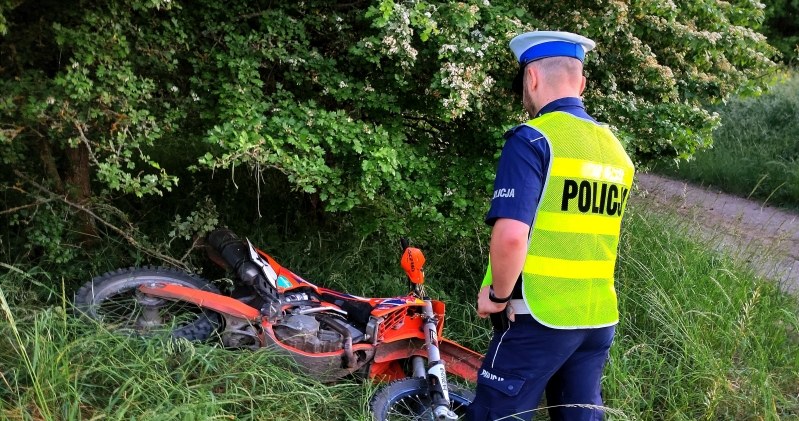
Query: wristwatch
(494,298)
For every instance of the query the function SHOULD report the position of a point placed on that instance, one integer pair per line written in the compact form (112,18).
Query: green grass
(700,338)
(756,149)
(58,368)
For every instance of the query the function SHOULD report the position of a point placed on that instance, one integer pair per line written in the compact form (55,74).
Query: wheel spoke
(115,301)
(408,400)
(413,407)
(125,312)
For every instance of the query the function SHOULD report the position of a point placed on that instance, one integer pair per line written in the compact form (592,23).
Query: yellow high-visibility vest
(568,275)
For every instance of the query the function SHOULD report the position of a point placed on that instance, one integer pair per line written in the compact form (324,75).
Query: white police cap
(536,45)
(531,46)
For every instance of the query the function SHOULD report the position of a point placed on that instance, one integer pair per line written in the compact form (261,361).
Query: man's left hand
(486,306)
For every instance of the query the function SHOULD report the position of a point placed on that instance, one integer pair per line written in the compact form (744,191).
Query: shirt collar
(561,105)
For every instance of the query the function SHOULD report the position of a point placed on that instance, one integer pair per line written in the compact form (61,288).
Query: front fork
(435,373)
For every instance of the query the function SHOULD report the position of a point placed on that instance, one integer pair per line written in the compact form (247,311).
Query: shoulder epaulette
(513,130)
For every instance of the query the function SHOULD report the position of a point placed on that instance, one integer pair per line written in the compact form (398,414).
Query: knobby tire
(407,399)
(111,299)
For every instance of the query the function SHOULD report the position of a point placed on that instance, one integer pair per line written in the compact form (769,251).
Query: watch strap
(496,299)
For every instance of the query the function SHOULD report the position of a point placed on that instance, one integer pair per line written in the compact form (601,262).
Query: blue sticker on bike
(283,282)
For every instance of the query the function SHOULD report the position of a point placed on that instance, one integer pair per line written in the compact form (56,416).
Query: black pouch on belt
(500,321)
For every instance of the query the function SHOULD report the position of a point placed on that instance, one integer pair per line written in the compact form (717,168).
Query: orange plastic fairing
(412,262)
(219,303)
(387,371)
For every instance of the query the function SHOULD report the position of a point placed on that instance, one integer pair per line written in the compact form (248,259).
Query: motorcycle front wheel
(408,399)
(114,300)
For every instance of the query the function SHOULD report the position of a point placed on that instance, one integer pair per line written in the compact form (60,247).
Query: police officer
(559,195)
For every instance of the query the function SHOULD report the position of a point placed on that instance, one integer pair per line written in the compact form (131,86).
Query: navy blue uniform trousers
(528,358)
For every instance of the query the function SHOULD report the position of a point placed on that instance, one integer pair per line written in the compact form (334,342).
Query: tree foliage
(393,108)
(782,28)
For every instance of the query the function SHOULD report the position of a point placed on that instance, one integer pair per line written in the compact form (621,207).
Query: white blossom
(465,82)
(447,48)
(294,61)
(398,36)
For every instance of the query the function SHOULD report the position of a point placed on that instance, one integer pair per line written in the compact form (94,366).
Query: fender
(212,301)
(458,360)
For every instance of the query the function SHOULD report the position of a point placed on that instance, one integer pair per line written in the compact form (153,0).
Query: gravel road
(766,237)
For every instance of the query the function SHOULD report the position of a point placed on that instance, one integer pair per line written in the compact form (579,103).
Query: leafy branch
(127,236)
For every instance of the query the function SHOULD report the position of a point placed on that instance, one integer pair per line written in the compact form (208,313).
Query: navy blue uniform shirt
(523,165)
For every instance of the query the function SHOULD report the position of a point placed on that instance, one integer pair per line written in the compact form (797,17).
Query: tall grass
(700,338)
(756,149)
(56,367)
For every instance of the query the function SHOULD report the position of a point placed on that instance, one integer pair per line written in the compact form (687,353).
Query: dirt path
(766,237)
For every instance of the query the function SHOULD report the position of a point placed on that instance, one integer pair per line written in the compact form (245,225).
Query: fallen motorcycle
(328,333)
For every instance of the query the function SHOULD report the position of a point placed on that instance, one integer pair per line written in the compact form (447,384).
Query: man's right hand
(485,306)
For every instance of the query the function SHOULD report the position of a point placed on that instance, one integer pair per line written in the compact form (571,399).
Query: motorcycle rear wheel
(113,300)
(407,399)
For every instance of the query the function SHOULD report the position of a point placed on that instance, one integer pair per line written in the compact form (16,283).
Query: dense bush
(143,110)
(782,28)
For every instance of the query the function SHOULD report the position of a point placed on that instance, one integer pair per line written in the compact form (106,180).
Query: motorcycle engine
(304,332)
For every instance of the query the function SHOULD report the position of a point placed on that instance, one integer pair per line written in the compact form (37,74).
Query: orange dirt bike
(328,333)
